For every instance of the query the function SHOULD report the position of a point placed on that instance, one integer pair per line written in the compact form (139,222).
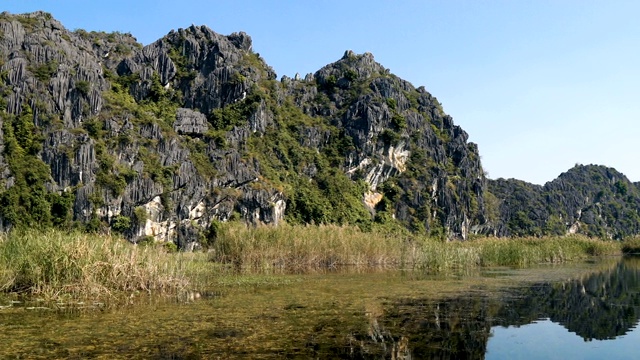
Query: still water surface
(545,339)
(577,311)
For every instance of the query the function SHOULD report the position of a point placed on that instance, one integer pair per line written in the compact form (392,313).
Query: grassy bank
(631,245)
(289,248)
(53,264)
(301,248)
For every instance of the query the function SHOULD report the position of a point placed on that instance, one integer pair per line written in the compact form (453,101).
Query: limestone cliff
(101,133)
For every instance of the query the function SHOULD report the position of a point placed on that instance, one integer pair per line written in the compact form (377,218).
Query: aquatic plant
(531,250)
(52,264)
(304,247)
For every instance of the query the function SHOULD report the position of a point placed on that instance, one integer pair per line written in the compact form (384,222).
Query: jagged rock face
(401,138)
(117,161)
(592,200)
(211,70)
(162,140)
(189,122)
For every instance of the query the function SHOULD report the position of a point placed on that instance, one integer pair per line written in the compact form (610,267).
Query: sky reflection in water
(545,339)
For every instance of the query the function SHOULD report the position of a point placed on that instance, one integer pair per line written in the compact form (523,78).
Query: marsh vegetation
(288,248)
(52,264)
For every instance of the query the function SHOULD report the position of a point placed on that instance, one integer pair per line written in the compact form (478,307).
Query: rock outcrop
(123,138)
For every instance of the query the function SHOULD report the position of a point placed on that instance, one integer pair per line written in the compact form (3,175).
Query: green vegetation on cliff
(27,203)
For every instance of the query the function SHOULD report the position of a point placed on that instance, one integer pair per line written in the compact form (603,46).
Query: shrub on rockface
(28,203)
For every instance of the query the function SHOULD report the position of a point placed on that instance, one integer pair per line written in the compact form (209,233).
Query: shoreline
(55,265)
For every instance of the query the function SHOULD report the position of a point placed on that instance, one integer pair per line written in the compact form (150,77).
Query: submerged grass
(289,248)
(53,264)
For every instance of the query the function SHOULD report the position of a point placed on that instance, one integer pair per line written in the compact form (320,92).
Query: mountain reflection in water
(600,306)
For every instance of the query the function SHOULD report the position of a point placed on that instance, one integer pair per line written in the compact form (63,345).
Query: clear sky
(538,85)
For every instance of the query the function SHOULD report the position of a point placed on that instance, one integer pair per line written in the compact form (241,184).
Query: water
(578,311)
(545,339)
(590,317)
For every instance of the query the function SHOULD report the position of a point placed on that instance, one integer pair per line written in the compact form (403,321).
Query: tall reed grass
(53,264)
(300,248)
(631,245)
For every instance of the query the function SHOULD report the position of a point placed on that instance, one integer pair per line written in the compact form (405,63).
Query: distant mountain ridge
(164,141)
(589,199)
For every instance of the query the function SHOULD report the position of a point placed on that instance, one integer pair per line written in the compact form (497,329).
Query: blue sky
(538,85)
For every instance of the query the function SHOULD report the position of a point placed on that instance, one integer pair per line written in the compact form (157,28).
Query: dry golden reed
(52,264)
(297,248)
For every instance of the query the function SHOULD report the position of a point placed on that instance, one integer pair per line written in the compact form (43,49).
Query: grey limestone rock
(194,128)
(190,122)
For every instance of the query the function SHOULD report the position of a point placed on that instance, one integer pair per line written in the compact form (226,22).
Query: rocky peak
(395,129)
(44,61)
(208,69)
(350,68)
